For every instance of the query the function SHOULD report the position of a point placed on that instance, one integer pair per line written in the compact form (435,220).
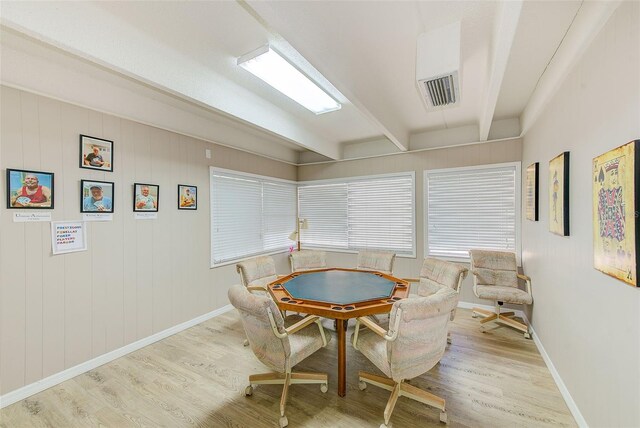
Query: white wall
(138,277)
(588,322)
(477,154)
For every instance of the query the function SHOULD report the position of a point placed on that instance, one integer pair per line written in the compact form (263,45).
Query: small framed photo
(559,194)
(531,202)
(29,189)
(96,153)
(187,197)
(96,196)
(145,197)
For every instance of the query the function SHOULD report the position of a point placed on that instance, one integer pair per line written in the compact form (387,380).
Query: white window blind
(250,215)
(357,213)
(472,208)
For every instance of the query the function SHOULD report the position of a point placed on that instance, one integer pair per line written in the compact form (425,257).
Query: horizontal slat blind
(249,216)
(471,208)
(358,213)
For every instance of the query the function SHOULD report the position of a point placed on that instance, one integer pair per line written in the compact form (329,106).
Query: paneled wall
(138,277)
(478,154)
(588,322)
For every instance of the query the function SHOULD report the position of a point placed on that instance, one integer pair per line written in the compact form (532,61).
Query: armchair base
(502,318)
(401,389)
(286,379)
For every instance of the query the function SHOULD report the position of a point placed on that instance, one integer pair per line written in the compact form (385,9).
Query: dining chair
(411,345)
(380,261)
(308,260)
(278,343)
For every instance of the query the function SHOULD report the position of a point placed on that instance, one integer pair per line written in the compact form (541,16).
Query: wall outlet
(207,153)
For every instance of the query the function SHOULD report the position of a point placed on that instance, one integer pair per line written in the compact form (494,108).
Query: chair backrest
(422,333)
(494,268)
(438,273)
(308,260)
(259,271)
(254,311)
(381,261)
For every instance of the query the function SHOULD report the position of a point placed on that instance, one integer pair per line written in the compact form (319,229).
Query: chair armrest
(411,279)
(475,272)
(528,280)
(301,324)
(371,325)
(389,336)
(256,288)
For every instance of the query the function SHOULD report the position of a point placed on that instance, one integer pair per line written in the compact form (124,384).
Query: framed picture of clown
(615,205)
(559,194)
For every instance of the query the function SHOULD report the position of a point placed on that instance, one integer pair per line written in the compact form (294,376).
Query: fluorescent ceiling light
(269,66)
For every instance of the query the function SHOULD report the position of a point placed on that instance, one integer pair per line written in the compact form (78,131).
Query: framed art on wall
(96,153)
(187,197)
(29,189)
(615,204)
(145,197)
(559,194)
(531,191)
(96,196)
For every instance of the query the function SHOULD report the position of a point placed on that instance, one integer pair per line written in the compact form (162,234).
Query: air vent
(441,91)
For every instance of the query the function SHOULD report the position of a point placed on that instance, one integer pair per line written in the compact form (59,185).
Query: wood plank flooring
(196,378)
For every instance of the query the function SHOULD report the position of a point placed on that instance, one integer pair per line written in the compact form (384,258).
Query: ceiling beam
(504,34)
(588,22)
(273,16)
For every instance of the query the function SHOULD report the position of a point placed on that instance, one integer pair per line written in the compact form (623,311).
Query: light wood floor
(197,378)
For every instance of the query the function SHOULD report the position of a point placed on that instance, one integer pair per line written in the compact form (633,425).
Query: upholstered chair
(380,261)
(308,260)
(436,273)
(278,343)
(411,346)
(495,277)
(257,272)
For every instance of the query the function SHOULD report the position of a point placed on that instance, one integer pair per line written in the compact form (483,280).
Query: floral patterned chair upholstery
(381,261)
(278,343)
(411,346)
(495,277)
(308,260)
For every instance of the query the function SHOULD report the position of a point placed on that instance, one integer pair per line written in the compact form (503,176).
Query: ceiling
(169,58)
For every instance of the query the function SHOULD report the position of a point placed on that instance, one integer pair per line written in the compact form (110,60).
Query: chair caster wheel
(449,340)
(283,422)
(474,315)
(386,425)
(443,417)
(527,335)
(362,385)
(248,391)
(246,342)
(324,388)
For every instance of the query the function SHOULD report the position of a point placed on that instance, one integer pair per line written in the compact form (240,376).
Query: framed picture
(96,196)
(96,153)
(187,197)
(145,197)
(559,194)
(29,189)
(531,191)
(615,203)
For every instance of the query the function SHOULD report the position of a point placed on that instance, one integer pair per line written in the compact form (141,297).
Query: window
(250,215)
(375,212)
(476,207)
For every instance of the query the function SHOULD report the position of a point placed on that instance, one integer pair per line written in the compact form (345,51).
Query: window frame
(413,254)
(518,206)
(213,169)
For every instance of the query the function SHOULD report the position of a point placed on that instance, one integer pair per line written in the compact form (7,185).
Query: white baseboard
(573,407)
(38,386)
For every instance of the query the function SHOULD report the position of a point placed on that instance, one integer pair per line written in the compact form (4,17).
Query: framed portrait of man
(29,189)
(187,197)
(96,153)
(145,197)
(96,196)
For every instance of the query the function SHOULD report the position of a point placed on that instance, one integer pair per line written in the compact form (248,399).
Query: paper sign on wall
(68,236)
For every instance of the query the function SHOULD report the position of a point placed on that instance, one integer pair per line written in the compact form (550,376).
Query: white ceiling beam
(588,22)
(504,34)
(84,30)
(388,124)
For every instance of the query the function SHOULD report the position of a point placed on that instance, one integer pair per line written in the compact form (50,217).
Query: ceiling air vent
(438,65)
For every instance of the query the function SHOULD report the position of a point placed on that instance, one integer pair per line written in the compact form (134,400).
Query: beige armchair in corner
(436,273)
(412,345)
(495,277)
(279,343)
